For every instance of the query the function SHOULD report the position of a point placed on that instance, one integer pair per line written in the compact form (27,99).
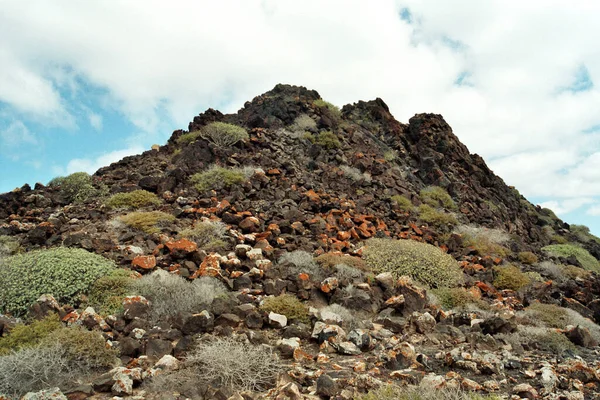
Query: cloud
(516,80)
(594,210)
(91,165)
(15,135)
(563,207)
(95,121)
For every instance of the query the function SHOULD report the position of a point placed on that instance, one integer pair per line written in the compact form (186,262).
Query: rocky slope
(323,182)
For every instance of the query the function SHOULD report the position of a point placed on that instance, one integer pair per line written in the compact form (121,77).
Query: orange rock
(144,262)
(416,229)
(301,355)
(343,235)
(363,231)
(273,171)
(312,196)
(222,206)
(181,245)
(211,266)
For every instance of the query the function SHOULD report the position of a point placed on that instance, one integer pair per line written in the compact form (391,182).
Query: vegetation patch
(435,217)
(584,258)
(77,187)
(63,272)
(404,204)
(335,110)
(223,135)
(82,347)
(23,336)
(288,305)
(527,257)
(147,221)
(206,233)
(325,139)
(450,298)
(330,260)
(436,196)
(393,392)
(107,293)
(217,178)
(9,245)
(303,123)
(510,277)
(483,240)
(421,261)
(132,200)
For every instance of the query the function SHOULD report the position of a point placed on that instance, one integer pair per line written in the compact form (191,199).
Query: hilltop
(295,250)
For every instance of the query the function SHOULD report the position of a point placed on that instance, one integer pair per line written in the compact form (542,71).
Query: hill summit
(295,250)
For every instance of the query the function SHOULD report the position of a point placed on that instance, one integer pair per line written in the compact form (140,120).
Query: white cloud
(157,61)
(16,134)
(563,207)
(95,121)
(594,210)
(91,165)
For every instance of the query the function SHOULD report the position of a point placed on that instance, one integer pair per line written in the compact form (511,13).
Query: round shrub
(403,203)
(435,217)
(421,261)
(133,200)
(217,178)
(107,293)
(63,272)
(288,305)
(584,258)
(77,187)
(147,221)
(510,277)
(23,336)
(436,196)
(223,134)
(527,257)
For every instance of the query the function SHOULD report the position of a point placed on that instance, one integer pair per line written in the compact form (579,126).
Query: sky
(83,84)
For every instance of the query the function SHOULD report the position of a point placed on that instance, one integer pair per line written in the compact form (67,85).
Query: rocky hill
(294,250)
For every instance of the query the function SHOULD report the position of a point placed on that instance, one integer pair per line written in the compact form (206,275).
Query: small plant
(77,187)
(355,174)
(303,123)
(335,110)
(390,155)
(23,336)
(583,233)
(510,277)
(330,260)
(171,295)
(349,320)
(132,200)
(147,221)
(392,392)
(206,233)
(326,139)
(527,257)
(301,262)
(435,217)
(450,298)
(347,273)
(107,293)
(404,204)
(217,178)
(484,240)
(86,349)
(187,138)
(288,305)
(63,272)
(223,135)
(421,261)
(436,196)
(9,245)
(584,258)
(545,339)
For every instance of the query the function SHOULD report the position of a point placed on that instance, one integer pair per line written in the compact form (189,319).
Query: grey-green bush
(63,272)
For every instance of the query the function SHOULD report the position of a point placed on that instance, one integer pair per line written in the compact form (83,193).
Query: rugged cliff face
(325,181)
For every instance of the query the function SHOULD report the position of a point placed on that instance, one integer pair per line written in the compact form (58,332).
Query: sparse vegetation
(330,260)
(107,293)
(132,200)
(288,305)
(484,240)
(403,203)
(437,218)
(326,139)
(301,262)
(77,187)
(223,135)
(545,339)
(421,261)
(84,348)
(189,137)
(349,320)
(303,123)
(335,110)
(510,277)
(390,155)
(217,178)
(24,336)
(436,196)
(172,295)
(583,233)
(206,233)
(147,221)
(392,392)
(584,258)
(9,245)
(63,272)
(454,297)
(527,257)
(355,174)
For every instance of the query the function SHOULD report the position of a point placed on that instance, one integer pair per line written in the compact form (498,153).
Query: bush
(171,295)
(187,138)
(335,110)
(86,349)
(223,362)
(349,320)
(435,217)
(303,123)
(330,260)
(223,134)
(347,273)
(355,174)
(527,257)
(217,178)
(206,233)
(9,246)
(510,277)
(147,221)
(326,139)
(392,392)
(485,241)
(63,272)
(436,196)
(288,305)
(107,293)
(403,203)
(421,261)
(77,187)
(584,258)
(545,339)
(302,262)
(583,233)
(23,336)
(454,297)
(132,200)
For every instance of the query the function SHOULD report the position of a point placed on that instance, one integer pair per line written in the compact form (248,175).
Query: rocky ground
(319,186)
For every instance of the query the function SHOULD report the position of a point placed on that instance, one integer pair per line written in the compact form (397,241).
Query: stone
(326,386)
(198,323)
(525,391)
(425,323)
(347,348)
(167,363)
(496,325)
(48,394)
(158,347)
(278,321)
(287,346)
(581,336)
(361,338)
(145,263)
(326,332)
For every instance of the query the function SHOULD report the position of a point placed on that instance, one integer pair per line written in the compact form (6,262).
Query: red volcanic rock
(144,262)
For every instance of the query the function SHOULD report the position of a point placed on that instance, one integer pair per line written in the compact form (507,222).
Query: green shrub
(545,339)
(485,241)
(132,200)
(288,305)
(217,178)
(9,245)
(586,260)
(527,257)
(303,123)
(206,233)
(390,155)
(171,295)
(435,217)
(550,315)
(63,272)
(189,137)
(23,336)
(326,139)
(436,196)
(77,187)
(454,297)
(223,134)
(147,221)
(510,277)
(86,349)
(393,392)
(421,261)
(583,233)
(403,203)
(107,293)
(335,110)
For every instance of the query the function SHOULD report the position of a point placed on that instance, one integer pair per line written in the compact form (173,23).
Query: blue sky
(92,82)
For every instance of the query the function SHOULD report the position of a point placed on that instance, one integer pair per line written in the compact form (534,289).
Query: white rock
(277,320)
